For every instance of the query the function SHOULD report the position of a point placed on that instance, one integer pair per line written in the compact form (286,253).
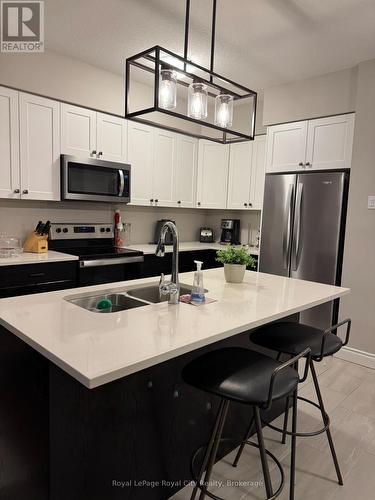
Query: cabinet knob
(17,191)
(308,164)
(300,164)
(93,152)
(25,191)
(250,204)
(199,203)
(245,204)
(156,200)
(179,202)
(100,154)
(151,200)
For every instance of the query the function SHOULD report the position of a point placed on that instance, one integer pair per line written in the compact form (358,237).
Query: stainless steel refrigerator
(303,229)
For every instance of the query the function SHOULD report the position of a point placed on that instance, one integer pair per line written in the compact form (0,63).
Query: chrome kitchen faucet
(169,287)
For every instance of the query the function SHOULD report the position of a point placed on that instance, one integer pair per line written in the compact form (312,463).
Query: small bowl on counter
(10,246)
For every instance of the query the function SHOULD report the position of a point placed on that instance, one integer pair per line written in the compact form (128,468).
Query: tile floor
(349,395)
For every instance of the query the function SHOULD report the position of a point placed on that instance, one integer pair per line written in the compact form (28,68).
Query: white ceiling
(259,42)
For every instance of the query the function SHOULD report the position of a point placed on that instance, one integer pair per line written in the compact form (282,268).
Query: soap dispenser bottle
(197,292)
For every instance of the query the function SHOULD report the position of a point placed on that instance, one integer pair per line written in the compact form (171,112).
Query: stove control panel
(76,231)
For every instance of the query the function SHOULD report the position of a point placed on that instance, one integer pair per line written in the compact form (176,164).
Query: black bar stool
(291,338)
(248,377)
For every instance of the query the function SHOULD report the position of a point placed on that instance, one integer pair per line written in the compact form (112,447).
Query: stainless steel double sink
(123,299)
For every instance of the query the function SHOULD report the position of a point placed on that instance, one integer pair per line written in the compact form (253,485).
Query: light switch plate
(371,203)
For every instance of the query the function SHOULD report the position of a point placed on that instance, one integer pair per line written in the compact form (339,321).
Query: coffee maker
(230,231)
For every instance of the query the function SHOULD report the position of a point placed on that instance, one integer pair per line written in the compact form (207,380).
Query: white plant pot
(234,273)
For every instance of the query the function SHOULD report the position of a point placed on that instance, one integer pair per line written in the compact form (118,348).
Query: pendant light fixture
(186,97)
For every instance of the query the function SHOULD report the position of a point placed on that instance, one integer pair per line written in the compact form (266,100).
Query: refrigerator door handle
(297,227)
(288,227)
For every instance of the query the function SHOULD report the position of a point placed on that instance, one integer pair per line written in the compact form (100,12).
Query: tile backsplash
(20,217)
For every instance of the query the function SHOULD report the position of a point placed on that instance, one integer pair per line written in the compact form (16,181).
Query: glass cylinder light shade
(197,101)
(168,89)
(224,110)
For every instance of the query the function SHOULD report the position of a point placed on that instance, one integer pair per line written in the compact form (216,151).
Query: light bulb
(224,110)
(168,89)
(197,101)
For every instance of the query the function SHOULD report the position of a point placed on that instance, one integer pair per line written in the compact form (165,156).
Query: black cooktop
(100,252)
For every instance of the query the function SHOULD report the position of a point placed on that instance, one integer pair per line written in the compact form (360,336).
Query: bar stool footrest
(302,434)
(202,487)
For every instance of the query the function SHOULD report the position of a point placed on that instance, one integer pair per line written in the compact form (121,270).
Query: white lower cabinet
(39,147)
(246,175)
(9,144)
(213,166)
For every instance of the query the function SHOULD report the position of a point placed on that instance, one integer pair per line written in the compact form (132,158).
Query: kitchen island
(99,396)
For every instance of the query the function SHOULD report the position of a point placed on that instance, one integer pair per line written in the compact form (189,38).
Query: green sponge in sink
(104,304)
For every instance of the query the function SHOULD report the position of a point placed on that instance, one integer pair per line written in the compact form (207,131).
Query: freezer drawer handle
(288,227)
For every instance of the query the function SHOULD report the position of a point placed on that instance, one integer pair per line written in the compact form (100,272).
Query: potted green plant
(235,260)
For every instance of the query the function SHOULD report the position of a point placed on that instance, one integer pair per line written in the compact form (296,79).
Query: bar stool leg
(286,417)
(328,431)
(293,448)
(262,451)
(243,444)
(209,447)
(210,456)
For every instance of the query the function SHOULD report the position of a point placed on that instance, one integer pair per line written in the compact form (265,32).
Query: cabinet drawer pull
(36,275)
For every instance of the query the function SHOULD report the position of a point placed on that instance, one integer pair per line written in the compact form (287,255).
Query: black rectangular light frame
(239,92)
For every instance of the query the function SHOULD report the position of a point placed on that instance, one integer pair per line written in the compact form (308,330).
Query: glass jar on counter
(123,235)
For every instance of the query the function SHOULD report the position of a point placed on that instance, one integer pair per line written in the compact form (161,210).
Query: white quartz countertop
(36,258)
(99,348)
(149,248)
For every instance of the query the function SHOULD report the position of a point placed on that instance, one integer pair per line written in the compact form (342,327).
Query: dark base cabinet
(25,279)
(62,441)
(154,266)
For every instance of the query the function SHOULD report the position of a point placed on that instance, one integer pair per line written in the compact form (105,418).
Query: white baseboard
(356,356)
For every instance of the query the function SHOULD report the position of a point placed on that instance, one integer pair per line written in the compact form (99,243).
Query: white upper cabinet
(213,165)
(165,159)
(330,142)
(9,144)
(247,174)
(286,146)
(240,174)
(141,159)
(78,131)
(111,133)
(186,171)
(39,147)
(258,173)
(324,143)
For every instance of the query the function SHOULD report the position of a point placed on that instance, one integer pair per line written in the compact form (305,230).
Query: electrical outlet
(371,203)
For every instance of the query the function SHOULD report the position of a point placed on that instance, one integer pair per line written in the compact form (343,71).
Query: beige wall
(359,261)
(325,95)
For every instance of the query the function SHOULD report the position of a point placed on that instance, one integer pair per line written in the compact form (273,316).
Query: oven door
(94,180)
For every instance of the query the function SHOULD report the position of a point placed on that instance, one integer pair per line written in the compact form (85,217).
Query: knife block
(36,243)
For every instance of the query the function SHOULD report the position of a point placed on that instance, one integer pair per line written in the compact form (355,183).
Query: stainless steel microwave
(94,180)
